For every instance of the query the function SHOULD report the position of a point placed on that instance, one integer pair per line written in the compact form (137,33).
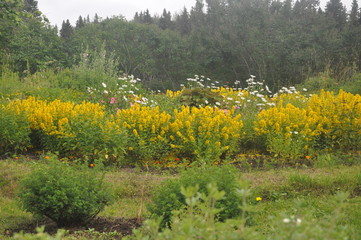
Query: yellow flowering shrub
(205,133)
(71,129)
(289,130)
(325,121)
(340,118)
(148,131)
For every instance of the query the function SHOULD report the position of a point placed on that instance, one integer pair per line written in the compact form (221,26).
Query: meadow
(292,157)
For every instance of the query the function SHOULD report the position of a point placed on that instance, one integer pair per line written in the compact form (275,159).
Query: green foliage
(197,220)
(287,149)
(65,194)
(95,67)
(323,81)
(168,197)
(199,97)
(40,235)
(14,132)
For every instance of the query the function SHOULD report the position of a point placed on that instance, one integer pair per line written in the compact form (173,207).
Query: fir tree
(66,30)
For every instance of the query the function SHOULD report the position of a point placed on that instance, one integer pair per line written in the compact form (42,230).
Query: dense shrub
(14,132)
(168,197)
(65,194)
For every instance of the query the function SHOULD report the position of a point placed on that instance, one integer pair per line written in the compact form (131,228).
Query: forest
(283,43)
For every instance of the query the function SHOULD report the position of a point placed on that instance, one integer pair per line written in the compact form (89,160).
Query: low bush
(14,132)
(168,197)
(65,194)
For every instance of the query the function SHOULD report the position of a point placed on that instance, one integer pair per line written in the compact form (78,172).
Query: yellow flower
(131,148)
(258,199)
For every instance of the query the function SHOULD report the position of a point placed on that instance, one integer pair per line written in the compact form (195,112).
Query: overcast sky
(59,10)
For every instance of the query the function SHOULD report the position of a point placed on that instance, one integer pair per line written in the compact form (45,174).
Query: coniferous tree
(147,18)
(96,19)
(66,30)
(165,21)
(197,15)
(80,22)
(336,12)
(183,22)
(136,17)
(354,14)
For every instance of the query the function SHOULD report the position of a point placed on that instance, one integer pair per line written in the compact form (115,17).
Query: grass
(307,193)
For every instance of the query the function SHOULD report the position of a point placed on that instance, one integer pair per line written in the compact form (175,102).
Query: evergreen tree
(183,22)
(96,19)
(136,17)
(336,12)
(80,22)
(66,30)
(354,15)
(147,18)
(197,15)
(165,21)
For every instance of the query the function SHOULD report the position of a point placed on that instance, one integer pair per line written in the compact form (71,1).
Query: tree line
(281,42)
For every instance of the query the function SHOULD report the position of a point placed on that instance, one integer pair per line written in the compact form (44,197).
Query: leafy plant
(199,97)
(14,132)
(168,196)
(65,194)
(197,220)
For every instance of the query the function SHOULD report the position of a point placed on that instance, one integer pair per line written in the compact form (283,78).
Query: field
(296,157)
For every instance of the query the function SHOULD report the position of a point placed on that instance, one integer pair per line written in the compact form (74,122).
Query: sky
(58,10)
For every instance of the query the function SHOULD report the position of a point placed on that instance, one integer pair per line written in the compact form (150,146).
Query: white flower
(218,104)
(305,89)
(104,85)
(267,89)
(106,92)
(286,220)
(252,76)
(298,221)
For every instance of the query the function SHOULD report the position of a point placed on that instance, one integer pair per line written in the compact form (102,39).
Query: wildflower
(47,157)
(286,220)
(258,199)
(177,159)
(112,100)
(157,162)
(91,165)
(308,157)
(104,85)
(131,148)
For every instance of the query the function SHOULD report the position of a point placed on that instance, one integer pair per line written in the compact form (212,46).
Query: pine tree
(96,19)
(80,22)
(147,19)
(66,30)
(336,11)
(197,15)
(354,15)
(183,22)
(165,21)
